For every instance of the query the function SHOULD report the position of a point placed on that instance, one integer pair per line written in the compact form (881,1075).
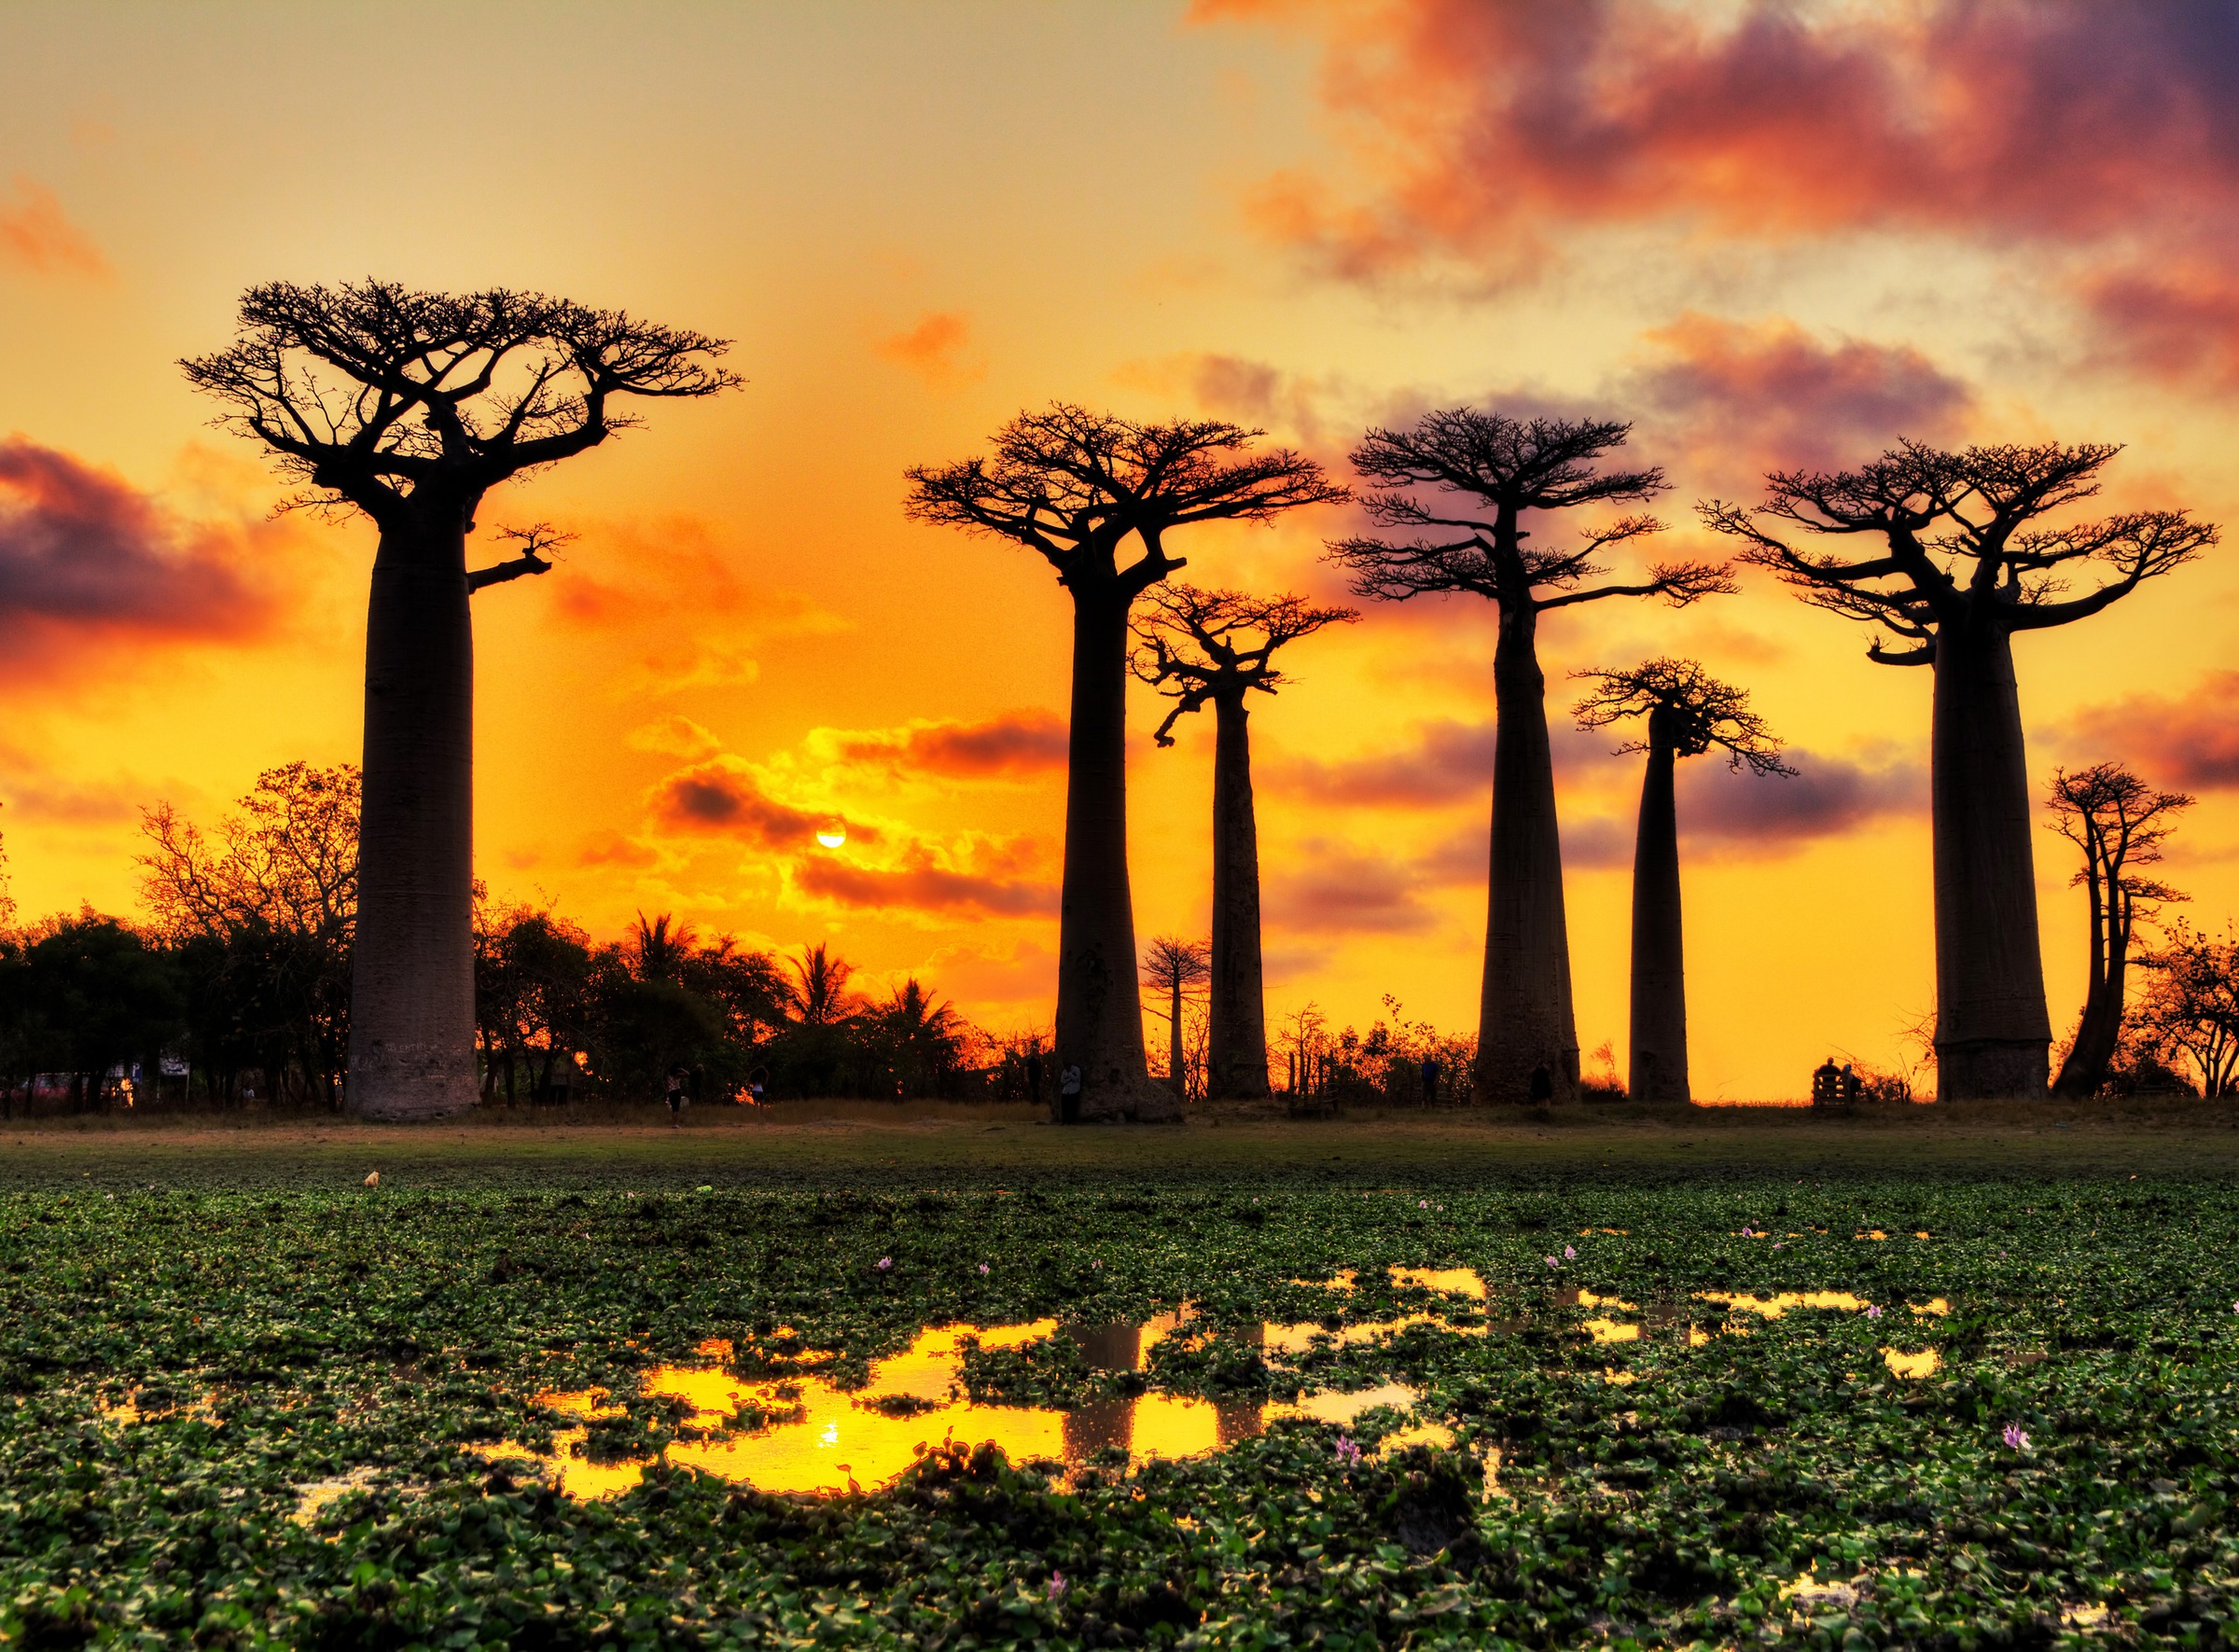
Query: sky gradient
(1771,236)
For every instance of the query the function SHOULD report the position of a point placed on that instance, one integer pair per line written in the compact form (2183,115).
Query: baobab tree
(1175,968)
(1073,487)
(1963,559)
(2120,824)
(1217,646)
(1685,712)
(1503,469)
(408,408)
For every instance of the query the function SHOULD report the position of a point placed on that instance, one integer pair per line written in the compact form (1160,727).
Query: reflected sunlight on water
(807,1437)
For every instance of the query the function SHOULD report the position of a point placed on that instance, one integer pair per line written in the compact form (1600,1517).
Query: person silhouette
(1430,1082)
(1068,1094)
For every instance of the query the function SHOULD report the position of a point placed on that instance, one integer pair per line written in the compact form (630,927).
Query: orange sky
(1767,242)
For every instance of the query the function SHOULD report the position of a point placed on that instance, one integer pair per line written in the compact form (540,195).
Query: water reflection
(800,1435)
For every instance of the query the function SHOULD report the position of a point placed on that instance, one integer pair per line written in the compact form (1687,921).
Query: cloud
(1748,398)
(722,798)
(1826,798)
(86,555)
(937,349)
(614,849)
(1442,761)
(2185,740)
(920,884)
(1014,742)
(35,236)
(673,736)
(1479,133)
(1323,888)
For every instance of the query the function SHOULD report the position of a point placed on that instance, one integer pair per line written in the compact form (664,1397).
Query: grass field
(1948,1379)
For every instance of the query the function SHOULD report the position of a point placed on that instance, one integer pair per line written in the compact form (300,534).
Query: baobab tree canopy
(1207,646)
(1685,710)
(410,407)
(1460,483)
(1962,558)
(1074,486)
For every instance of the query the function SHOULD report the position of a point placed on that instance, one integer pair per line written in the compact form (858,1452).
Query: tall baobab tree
(1685,711)
(408,408)
(1217,646)
(1503,469)
(1074,486)
(1175,968)
(2120,824)
(1963,559)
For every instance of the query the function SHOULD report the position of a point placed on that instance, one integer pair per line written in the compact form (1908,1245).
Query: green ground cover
(274,1324)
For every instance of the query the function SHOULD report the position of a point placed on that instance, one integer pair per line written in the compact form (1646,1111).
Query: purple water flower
(1422,1204)
(1570,1253)
(1553,1263)
(1873,1311)
(1057,1586)
(884,1263)
(2016,1437)
(1347,1452)
(984,1267)
(1746,1234)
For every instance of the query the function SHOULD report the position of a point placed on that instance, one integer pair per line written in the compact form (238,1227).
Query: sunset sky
(1771,235)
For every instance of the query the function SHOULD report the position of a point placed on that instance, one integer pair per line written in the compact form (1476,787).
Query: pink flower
(1057,1586)
(1873,1311)
(984,1267)
(1553,1263)
(1347,1452)
(884,1263)
(1570,1253)
(1422,1204)
(2016,1437)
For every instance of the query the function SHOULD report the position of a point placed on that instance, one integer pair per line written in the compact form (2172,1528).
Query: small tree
(1217,646)
(1177,968)
(1685,711)
(2120,822)
(1505,469)
(2189,1010)
(408,408)
(1074,487)
(1961,560)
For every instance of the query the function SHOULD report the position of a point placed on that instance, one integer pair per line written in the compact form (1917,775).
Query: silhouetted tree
(1503,469)
(1075,486)
(2120,824)
(1687,712)
(917,1040)
(408,408)
(2190,1009)
(1177,968)
(264,918)
(1217,646)
(1963,560)
(98,995)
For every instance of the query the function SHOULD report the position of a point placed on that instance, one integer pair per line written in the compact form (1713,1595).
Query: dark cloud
(721,797)
(1015,743)
(85,555)
(2189,739)
(1439,762)
(1826,797)
(921,885)
(1744,399)
(1324,889)
(1484,128)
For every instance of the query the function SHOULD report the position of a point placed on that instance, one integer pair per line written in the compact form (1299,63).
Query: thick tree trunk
(1099,1010)
(1236,1039)
(412,1002)
(1658,1056)
(1525,1021)
(1992,1036)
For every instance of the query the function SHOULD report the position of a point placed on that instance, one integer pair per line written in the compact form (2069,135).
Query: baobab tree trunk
(1099,1011)
(412,1000)
(1236,1038)
(1525,1021)
(1658,1056)
(2099,1031)
(1992,1035)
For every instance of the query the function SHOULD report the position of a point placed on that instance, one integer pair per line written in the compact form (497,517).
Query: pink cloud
(921,885)
(34,235)
(1015,743)
(2182,740)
